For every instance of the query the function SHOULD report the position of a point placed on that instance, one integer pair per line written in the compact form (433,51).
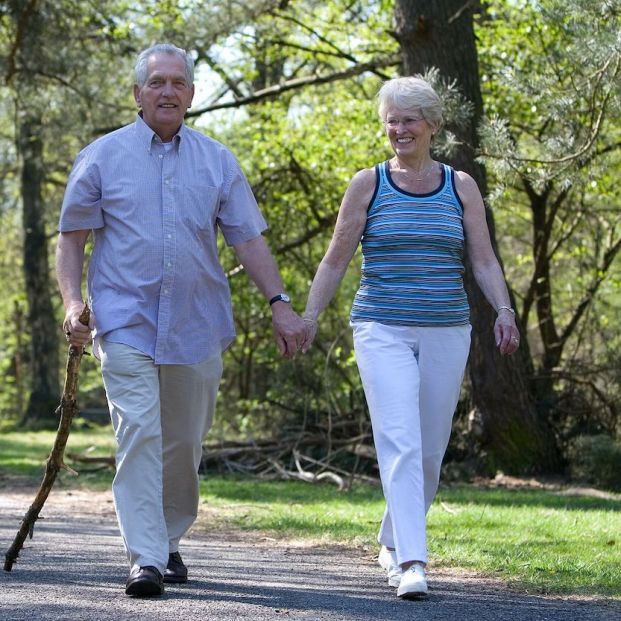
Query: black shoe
(145,582)
(176,571)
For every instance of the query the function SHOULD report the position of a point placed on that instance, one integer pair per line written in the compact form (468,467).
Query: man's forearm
(289,329)
(69,265)
(260,266)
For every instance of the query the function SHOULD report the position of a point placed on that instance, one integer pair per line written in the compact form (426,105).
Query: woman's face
(409,133)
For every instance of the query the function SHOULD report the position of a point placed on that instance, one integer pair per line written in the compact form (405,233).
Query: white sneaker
(413,584)
(387,559)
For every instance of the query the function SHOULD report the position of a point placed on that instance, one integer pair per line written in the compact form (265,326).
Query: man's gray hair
(163,48)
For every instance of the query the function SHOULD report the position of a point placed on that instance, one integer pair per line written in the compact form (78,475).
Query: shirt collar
(146,136)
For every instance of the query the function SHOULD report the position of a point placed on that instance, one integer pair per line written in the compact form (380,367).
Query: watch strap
(281,297)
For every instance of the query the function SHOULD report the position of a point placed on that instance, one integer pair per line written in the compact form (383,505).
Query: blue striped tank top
(412,248)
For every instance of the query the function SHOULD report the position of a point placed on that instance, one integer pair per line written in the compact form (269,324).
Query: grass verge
(23,455)
(540,541)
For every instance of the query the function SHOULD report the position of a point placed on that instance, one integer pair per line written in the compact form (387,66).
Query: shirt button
(166,291)
(166,182)
(169,235)
(160,156)
(169,264)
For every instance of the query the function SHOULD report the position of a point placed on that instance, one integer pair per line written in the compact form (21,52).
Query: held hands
(289,329)
(75,331)
(506,333)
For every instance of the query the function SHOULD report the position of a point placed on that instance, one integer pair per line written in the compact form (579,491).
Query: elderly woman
(410,317)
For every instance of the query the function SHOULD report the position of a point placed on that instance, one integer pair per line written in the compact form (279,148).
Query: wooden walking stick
(67,409)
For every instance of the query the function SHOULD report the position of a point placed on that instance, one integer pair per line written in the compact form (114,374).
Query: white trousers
(411,378)
(160,415)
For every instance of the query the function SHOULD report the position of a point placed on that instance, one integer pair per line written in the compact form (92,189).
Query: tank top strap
(447,176)
(381,184)
(382,167)
(451,187)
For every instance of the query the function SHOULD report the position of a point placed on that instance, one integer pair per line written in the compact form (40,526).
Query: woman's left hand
(506,333)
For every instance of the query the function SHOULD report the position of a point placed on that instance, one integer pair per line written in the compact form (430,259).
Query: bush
(596,460)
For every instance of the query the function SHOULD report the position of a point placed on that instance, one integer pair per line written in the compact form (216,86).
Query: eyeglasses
(408,121)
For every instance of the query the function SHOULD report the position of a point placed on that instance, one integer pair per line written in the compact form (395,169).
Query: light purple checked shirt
(154,280)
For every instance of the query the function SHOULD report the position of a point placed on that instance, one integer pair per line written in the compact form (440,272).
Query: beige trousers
(160,415)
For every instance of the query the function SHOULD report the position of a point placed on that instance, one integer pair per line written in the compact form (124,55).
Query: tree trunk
(441,34)
(44,364)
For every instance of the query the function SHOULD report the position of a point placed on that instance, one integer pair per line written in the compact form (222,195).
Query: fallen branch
(305,475)
(351,475)
(67,409)
(104,460)
(274,458)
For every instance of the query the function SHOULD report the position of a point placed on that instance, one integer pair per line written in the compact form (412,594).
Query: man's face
(165,96)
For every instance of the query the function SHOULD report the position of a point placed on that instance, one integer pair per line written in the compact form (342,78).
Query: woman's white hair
(411,93)
(140,68)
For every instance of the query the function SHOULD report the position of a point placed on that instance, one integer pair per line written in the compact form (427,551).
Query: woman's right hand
(311,331)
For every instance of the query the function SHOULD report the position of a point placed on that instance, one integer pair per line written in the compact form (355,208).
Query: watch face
(285,298)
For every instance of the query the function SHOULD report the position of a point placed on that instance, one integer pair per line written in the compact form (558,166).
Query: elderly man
(154,193)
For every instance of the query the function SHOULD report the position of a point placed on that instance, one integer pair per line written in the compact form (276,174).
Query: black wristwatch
(281,297)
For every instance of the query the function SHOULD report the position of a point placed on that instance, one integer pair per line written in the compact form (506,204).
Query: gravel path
(74,570)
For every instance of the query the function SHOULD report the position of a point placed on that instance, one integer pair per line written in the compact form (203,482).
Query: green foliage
(43,52)
(72,71)
(13,330)
(299,152)
(550,74)
(14,356)
(596,460)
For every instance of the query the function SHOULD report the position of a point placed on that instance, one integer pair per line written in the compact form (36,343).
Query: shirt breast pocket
(200,206)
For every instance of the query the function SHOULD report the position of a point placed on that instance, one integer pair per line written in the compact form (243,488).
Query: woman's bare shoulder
(467,188)
(363,183)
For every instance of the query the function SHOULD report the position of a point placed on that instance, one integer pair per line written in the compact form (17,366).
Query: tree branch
(215,66)
(278,89)
(594,130)
(318,36)
(602,272)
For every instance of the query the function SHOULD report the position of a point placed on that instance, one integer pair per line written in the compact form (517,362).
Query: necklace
(425,174)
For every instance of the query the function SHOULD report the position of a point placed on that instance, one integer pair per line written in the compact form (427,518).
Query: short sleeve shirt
(155,282)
